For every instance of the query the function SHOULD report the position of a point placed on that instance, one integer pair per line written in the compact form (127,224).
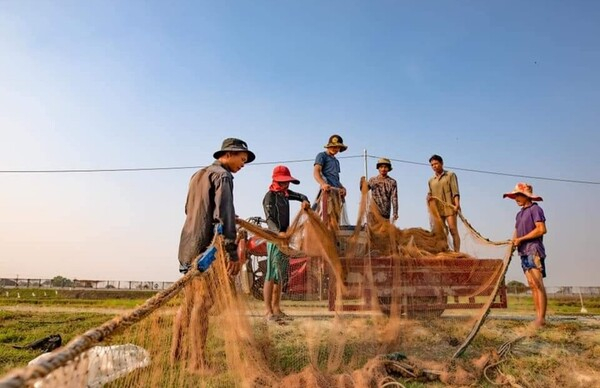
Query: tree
(516,287)
(60,281)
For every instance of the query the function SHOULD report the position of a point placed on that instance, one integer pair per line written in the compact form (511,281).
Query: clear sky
(506,86)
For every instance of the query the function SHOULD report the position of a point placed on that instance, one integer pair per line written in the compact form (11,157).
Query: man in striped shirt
(384,190)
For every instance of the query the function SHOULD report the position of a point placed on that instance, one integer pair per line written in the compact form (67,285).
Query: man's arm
(538,231)
(395,200)
(455,192)
(270,212)
(319,177)
(225,214)
(294,196)
(429,189)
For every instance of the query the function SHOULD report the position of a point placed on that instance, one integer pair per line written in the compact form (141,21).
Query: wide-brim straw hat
(525,189)
(282,174)
(232,144)
(336,141)
(385,161)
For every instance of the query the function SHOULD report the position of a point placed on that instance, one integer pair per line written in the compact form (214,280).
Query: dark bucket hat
(232,144)
(336,141)
(385,162)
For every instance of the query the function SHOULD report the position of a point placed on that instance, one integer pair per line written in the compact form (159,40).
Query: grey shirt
(209,202)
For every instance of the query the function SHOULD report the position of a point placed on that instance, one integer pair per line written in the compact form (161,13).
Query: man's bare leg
(538,292)
(202,300)
(268,297)
(276,308)
(198,337)
(180,324)
(452,225)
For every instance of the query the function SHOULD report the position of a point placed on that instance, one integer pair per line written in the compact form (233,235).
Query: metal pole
(365,160)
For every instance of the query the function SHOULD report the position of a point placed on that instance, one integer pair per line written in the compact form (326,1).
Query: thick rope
(486,308)
(21,377)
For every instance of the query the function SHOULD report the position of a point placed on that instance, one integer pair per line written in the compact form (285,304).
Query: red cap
(282,174)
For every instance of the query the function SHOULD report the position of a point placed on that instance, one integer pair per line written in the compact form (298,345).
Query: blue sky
(506,86)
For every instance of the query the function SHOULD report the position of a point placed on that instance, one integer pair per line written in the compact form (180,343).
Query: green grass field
(34,315)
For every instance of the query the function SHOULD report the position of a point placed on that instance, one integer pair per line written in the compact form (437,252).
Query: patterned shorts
(534,261)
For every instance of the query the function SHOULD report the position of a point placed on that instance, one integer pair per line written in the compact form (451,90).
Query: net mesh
(365,303)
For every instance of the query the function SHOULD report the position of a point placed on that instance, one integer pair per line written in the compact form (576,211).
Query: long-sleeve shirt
(209,202)
(384,192)
(277,209)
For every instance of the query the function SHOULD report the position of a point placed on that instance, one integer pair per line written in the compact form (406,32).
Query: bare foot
(271,318)
(282,315)
(538,323)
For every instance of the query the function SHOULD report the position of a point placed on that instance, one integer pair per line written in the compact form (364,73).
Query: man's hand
(343,192)
(516,241)
(364,186)
(233,267)
(305,205)
(325,187)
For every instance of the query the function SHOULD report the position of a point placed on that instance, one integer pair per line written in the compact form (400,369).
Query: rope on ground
(503,352)
(80,344)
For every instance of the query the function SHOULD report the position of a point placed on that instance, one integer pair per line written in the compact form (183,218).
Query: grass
(565,353)
(20,328)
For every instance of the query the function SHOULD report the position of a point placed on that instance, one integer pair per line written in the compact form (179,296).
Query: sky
(508,87)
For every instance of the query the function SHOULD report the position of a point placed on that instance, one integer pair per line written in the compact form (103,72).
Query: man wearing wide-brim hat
(327,173)
(528,238)
(384,190)
(209,202)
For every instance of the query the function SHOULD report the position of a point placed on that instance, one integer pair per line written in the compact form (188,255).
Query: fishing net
(365,304)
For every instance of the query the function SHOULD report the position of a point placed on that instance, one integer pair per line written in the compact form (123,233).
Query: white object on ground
(583,309)
(95,367)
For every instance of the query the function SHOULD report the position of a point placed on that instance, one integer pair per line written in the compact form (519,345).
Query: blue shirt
(526,219)
(330,168)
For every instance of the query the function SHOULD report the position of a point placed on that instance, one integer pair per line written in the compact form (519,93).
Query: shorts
(277,265)
(534,262)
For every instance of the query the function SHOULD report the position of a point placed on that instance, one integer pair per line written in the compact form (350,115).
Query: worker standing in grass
(276,204)
(443,188)
(384,191)
(209,202)
(528,237)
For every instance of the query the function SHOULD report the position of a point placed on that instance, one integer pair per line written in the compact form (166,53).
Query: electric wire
(170,168)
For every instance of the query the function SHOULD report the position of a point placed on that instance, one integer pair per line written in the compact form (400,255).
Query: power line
(498,173)
(141,169)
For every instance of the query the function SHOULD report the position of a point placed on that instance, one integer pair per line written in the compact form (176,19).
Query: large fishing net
(366,304)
